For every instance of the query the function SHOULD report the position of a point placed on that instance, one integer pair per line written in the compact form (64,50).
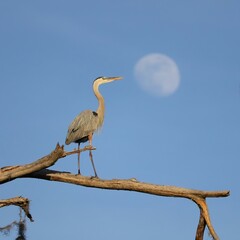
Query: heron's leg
(79,159)
(90,139)
(91,158)
(91,155)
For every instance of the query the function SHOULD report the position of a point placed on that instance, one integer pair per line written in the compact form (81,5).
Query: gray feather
(84,124)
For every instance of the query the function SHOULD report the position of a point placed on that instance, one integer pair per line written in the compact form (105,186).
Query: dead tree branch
(10,173)
(19,202)
(38,170)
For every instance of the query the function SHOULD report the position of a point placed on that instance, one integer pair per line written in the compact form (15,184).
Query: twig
(86,148)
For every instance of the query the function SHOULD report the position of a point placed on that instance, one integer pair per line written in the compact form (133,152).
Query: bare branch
(133,185)
(201,226)
(125,184)
(204,213)
(20,202)
(10,173)
(38,170)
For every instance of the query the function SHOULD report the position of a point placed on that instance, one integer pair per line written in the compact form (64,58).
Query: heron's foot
(94,177)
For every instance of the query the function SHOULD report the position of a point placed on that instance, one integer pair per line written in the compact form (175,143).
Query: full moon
(157,74)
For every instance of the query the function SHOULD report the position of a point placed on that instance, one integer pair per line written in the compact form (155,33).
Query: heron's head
(102,80)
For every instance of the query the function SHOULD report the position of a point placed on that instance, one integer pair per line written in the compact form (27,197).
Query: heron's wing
(84,124)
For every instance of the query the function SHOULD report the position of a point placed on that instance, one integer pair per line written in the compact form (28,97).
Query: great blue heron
(87,122)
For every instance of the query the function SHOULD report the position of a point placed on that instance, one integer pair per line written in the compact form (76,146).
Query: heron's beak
(114,78)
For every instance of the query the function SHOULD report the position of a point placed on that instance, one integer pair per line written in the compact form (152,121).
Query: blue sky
(50,53)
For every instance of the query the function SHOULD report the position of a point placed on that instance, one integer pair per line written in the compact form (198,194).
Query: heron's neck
(100,110)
